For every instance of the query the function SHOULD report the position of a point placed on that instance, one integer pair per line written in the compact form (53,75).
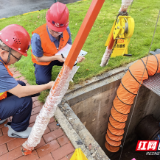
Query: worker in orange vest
(15,96)
(48,39)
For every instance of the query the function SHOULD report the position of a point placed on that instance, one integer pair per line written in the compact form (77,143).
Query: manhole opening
(92,104)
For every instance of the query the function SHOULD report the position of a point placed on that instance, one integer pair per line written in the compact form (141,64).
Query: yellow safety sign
(78,155)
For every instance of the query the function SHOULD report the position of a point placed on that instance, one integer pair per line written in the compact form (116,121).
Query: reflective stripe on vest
(49,48)
(3,95)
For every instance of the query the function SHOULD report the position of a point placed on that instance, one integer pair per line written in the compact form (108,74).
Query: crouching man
(15,96)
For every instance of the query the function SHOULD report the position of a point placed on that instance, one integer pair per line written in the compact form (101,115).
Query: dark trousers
(19,108)
(44,73)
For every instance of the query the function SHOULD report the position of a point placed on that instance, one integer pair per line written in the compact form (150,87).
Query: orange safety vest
(3,95)
(49,48)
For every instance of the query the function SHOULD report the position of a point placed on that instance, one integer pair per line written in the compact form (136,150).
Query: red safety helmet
(16,37)
(57,17)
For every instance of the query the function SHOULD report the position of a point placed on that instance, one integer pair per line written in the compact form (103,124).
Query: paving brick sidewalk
(54,144)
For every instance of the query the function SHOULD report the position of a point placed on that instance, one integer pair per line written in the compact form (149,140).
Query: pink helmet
(57,17)
(16,37)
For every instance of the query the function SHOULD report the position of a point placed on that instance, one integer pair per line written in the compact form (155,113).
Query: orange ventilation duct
(124,99)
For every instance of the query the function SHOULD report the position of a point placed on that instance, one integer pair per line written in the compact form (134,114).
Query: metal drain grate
(153,83)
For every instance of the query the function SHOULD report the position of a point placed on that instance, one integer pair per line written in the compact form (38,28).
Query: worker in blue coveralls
(48,39)
(15,96)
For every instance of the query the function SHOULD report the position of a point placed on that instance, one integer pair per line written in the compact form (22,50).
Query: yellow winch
(122,30)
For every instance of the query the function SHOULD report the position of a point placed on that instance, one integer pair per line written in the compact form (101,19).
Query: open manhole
(83,115)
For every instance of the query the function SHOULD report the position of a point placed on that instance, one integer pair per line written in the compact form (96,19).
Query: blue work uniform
(43,72)
(19,108)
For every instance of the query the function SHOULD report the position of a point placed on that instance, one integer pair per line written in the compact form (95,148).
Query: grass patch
(144,14)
